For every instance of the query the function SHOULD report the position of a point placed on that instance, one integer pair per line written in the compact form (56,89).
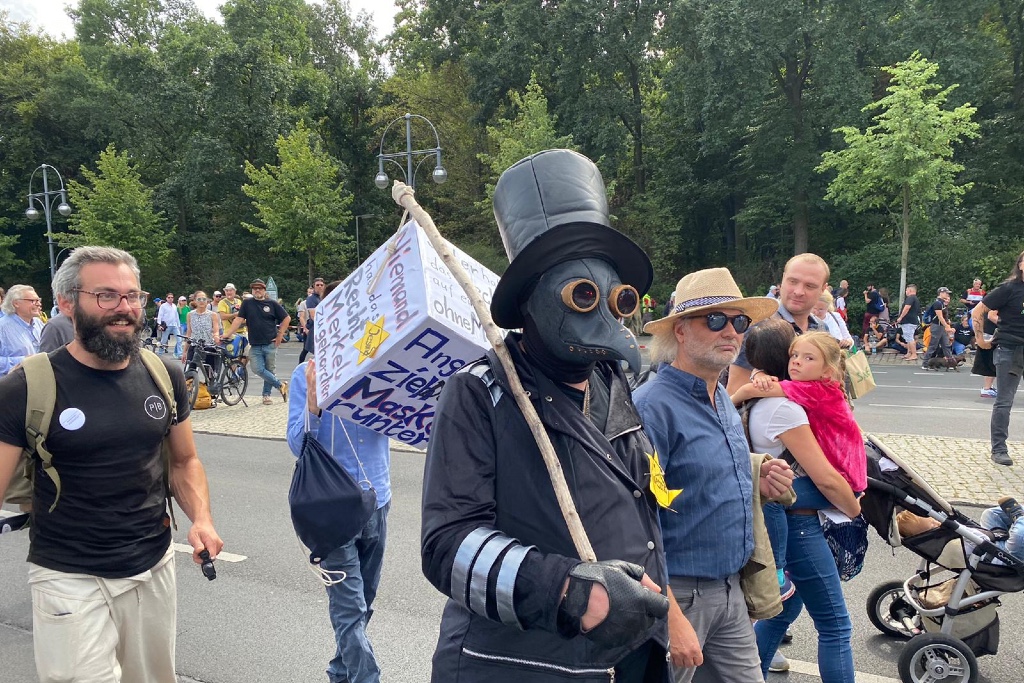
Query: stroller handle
(879,485)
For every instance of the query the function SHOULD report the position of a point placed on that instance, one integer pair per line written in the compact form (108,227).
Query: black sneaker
(1001,459)
(1012,508)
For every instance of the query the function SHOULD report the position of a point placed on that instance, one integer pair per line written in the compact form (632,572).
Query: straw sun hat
(710,289)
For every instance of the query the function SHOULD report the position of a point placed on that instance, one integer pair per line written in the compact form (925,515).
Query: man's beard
(94,337)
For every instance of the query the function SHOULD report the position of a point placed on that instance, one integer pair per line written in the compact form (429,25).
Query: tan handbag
(860,380)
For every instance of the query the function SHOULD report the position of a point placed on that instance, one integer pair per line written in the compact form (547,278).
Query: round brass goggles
(583,296)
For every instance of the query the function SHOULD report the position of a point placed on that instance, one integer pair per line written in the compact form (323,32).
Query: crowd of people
(692,499)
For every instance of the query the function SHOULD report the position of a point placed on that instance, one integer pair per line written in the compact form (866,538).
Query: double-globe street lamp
(439,175)
(46,200)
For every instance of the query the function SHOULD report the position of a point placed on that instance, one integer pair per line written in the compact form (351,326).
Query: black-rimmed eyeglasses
(111,300)
(716,322)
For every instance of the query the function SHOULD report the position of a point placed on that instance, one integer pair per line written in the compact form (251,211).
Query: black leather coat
(485,472)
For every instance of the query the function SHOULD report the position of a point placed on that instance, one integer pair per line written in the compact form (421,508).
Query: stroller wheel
(888,608)
(937,658)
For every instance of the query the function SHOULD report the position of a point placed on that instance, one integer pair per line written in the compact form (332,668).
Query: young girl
(817,372)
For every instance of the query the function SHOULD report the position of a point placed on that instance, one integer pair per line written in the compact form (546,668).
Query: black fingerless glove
(632,609)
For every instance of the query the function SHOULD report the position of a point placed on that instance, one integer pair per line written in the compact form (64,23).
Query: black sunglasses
(716,322)
(583,296)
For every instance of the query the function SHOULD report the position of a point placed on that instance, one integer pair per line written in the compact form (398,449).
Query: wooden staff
(404,196)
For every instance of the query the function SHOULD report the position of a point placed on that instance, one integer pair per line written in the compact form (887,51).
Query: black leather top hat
(551,207)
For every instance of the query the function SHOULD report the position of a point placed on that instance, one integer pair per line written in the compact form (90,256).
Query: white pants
(92,630)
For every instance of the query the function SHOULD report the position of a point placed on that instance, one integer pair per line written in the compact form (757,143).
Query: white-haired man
(710,528)
(20,326)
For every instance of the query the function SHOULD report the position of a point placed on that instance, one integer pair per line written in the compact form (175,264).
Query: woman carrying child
(828,457)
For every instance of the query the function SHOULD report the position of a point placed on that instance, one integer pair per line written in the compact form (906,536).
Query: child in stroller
(948,607)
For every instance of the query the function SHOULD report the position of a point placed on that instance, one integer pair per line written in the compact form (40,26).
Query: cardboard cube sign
(389,336)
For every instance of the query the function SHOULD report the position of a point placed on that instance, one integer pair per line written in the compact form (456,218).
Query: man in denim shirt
(365,455)
(20,327)
(700,444)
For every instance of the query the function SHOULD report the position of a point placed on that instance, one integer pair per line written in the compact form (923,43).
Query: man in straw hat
(523,606)
(709,526)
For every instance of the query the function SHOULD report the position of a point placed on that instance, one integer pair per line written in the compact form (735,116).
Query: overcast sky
(51,17)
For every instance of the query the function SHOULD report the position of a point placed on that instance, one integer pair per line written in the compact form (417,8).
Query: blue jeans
(1009,362)
(264,361)
(775,523)
(995,518)
(351,601)
(171,330)
(813,570)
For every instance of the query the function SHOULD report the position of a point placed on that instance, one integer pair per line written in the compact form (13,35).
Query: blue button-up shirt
(330,430)
(709,530)
(17,340)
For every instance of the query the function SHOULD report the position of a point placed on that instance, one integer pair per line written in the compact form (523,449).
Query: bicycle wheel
(192,386)
(236,379)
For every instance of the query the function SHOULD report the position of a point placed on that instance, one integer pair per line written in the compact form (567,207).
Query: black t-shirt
(105,438)
(1008,300)
(262,319)
(914,314)
(937,305)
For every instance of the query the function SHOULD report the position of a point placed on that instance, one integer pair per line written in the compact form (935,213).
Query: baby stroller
(947,609)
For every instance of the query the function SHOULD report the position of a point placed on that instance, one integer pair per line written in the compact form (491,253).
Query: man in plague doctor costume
(523,607)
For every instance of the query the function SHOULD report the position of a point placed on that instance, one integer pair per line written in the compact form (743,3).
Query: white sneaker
(779,663)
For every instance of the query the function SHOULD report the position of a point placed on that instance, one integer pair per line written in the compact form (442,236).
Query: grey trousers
(1009,362)
(939,342)
(718,613)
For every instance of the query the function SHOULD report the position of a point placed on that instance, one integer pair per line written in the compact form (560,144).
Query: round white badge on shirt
(155,407)
(72,419)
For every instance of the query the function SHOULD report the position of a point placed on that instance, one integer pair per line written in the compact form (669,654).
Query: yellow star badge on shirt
(662,493)
(373,336)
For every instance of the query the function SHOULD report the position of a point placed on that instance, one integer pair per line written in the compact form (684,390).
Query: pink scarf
(832,424)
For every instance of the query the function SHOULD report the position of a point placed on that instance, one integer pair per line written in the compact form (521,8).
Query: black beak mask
(572,320)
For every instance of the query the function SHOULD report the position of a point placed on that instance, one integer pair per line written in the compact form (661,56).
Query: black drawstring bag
(848,542)
(329,507)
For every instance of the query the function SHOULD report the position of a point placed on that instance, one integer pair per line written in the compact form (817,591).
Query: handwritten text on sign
(383,353)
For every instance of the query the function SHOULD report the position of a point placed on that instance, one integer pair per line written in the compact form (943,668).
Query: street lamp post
(439,175)
(362,215)
(46,199)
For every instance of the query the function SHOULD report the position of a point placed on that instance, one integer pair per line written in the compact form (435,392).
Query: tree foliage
(531,130)
(112,208)
(905,159)
(300,204)
(707,118)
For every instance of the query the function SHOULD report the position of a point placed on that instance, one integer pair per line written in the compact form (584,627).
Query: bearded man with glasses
(100,561)
(20,326)
(710,528)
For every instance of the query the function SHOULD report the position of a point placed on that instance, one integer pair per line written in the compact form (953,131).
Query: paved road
(264,619)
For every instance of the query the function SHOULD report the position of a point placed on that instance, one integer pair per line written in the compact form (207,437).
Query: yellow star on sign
(662,493)
(373,336)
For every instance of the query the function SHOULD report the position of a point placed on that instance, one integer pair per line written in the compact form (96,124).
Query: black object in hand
(209,571)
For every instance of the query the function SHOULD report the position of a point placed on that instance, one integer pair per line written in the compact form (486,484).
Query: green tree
(532,130)
(299,202)
(113,208)
(905,159)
